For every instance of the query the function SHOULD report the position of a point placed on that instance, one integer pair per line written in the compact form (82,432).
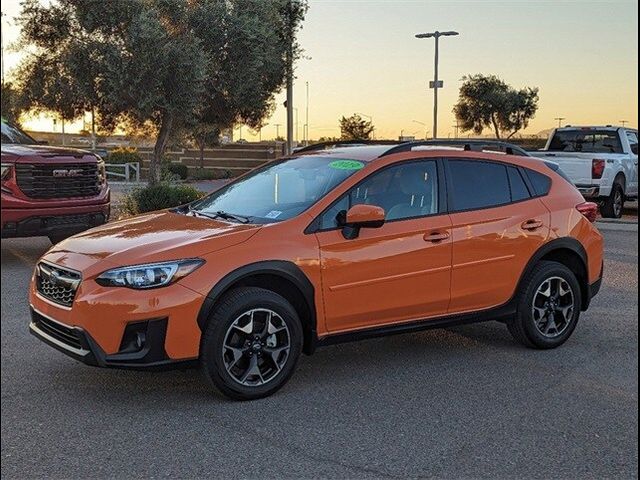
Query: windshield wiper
(221,214)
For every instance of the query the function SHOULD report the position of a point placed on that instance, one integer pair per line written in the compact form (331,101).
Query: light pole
(426,132)
(373,130)
(295,109)
(436,84)
(559,119)
(306,119)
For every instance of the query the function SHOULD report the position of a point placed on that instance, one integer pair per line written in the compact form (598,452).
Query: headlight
(152,275)
(102,172)
(6,171)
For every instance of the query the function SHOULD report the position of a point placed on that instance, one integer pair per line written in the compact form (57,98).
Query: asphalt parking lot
(464,402)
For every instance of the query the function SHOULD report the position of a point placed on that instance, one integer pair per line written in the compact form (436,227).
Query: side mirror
(362,216)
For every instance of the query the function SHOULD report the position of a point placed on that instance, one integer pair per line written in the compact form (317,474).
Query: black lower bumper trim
(53,225)
(152,355)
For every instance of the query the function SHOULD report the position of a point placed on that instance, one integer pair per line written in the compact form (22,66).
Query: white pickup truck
(601,161)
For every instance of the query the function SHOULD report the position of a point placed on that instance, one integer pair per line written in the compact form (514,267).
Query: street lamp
(436,84)
(426,132)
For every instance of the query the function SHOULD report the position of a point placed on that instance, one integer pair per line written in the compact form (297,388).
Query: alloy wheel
(256,347)
(618,203)
(553,307)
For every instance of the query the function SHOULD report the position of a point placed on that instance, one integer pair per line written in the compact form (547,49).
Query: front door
(396,273)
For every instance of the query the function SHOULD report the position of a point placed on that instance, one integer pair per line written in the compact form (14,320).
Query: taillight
(589,210)
(597,168)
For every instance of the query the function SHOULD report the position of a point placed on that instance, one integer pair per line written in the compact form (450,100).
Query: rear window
(586,141)
(479,184)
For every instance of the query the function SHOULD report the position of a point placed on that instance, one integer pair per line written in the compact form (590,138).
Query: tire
(613,205)
(251,344)
(534,307)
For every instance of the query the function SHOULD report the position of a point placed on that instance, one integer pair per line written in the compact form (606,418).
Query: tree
(485,101)
(167,65)
(355,128)
(12,104)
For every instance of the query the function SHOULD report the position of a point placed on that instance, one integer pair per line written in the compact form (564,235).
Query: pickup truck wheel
(251,344)
(613,205)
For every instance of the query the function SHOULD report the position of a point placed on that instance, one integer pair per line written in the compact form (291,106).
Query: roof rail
(342,143)
(470,144)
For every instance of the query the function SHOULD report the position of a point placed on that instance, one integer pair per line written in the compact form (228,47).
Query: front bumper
(35,226)
(79,345)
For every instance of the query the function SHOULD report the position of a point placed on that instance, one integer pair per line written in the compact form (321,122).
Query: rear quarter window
(541,183)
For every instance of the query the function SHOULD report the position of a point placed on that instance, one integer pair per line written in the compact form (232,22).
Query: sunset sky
(363,57)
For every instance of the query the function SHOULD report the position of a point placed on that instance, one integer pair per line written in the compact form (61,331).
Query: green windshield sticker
(346,165)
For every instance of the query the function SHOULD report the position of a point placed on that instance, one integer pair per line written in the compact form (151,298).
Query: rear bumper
(49,221)
(594,289)
(589,191)
(79,345)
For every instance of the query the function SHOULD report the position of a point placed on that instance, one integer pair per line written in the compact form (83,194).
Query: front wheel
(251,344)
(548,307)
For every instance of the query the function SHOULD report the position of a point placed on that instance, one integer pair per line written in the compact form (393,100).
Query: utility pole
(426,132)
(560,119)
(456,127)
(624,122)
(306,120)
(277,125)
(436,84)
(93,128)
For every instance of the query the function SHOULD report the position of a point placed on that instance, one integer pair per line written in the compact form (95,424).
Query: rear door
(497,225)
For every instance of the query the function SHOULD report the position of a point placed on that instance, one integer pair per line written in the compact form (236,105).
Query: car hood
(153,237)
(43,151)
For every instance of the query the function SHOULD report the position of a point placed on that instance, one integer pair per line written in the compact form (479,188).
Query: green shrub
(122,155)
(159,197)
(210,174)
(179,170)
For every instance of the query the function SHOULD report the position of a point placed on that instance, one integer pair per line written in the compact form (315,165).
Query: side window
(519,190)
(406,190)
(633,142)
(541,183)
(478,184)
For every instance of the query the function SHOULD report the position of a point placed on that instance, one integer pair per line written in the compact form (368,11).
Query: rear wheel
(251,344)
(548,307)
(613,205)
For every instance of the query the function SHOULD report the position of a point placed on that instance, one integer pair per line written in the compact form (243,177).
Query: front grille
(58,180)
(62,333)
(57,284)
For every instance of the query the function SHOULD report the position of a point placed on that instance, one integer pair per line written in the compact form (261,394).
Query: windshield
(11,134)
(586,141)
(278,191)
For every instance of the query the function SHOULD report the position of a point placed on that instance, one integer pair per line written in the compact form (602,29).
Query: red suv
(50,191)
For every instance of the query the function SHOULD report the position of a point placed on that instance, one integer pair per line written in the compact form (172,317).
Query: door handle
(532,225)
(436,236)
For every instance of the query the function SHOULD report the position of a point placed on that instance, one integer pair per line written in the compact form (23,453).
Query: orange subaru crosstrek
(323,247)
